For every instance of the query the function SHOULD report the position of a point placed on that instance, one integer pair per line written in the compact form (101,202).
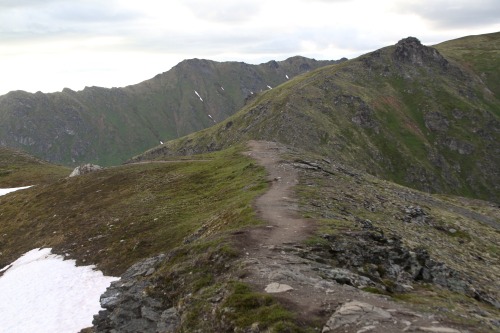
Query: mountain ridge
(108,126)
(359,244)
(405,113)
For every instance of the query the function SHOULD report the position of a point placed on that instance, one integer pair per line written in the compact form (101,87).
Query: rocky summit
(357,197)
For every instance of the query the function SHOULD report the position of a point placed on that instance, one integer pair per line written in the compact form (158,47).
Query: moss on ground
(20,169)
(117,216)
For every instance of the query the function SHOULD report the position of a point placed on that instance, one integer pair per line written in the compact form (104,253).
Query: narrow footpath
(273,264)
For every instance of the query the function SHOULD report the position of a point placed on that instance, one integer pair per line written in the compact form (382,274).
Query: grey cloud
(212,43)
(224,11)
(59,19)
(257,41)
(90,11)
(6,4)
(459,13)
(327,1)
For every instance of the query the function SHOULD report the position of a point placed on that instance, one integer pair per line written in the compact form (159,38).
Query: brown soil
(271,256)
(277,206)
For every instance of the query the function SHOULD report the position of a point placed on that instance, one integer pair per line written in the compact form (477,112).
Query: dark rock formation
(129,308)
(387,262)
(411,51)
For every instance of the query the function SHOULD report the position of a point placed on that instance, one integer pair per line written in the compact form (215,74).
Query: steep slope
(406,113)
(20,169)
(107,126)
(479,53)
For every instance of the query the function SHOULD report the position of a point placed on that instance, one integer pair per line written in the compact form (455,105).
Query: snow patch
(201,99)
(41,292)
(222,88)
(4,191)
(269,87)
(210,117)
(287,77)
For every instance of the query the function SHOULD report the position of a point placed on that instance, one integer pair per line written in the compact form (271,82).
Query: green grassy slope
(108,126)
(20,169)
(479,53)
(191,209)
(119,215)
(405,113)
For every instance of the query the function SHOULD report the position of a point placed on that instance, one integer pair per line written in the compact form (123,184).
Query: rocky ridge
(405,113)
(108,126)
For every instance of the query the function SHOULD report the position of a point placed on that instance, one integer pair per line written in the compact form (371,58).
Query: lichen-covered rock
(84,169)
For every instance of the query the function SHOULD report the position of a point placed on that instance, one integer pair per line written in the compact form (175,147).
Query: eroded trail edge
(274,263)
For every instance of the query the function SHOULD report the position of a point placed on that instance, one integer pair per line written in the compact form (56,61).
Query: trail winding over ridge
(272,257)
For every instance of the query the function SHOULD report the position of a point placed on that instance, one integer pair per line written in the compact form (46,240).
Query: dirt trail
(272,256)
(278,206)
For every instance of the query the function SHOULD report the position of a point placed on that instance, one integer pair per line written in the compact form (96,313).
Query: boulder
(84,169)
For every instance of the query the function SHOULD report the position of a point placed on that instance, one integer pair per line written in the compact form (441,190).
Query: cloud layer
(52,44)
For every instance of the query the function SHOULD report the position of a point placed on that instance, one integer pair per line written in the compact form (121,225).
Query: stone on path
(275,287)
(356,313)
(438,329)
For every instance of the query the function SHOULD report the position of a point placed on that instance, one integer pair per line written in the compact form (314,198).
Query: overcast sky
(46,45)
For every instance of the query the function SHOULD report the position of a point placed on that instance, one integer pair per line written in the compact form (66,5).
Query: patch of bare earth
(272,264)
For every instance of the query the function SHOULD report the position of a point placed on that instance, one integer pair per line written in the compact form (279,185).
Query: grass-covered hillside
(409,113)
(108,126)
(20,169)
(119,215)
(480,54)
(192,218)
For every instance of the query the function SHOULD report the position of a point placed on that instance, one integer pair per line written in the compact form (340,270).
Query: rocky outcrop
(387,263)
(128,306)
(84,169)
(411,51)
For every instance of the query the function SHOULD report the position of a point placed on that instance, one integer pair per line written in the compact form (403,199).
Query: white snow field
(4,191)
(40,292)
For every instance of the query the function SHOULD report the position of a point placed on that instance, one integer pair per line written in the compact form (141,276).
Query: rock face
(410,50)
(357,314)
(84,169)
(129,308)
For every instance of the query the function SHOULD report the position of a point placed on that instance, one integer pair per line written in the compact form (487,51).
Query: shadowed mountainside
(108,126)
